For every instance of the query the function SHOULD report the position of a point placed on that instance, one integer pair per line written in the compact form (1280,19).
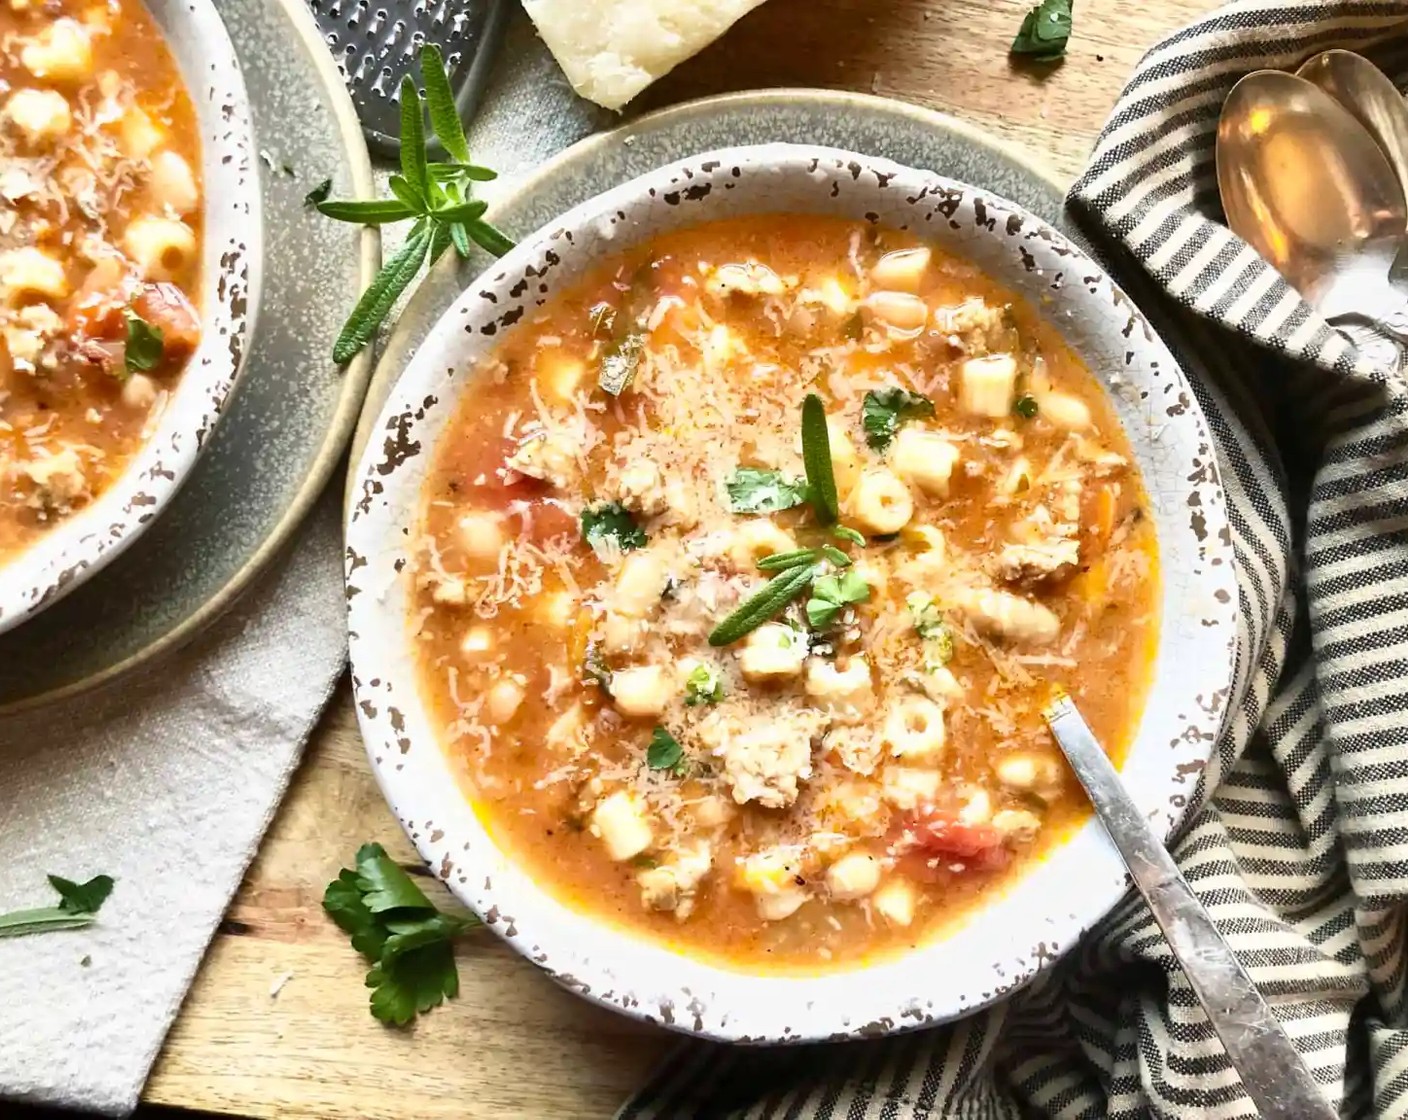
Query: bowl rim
(81,545)
(602,961)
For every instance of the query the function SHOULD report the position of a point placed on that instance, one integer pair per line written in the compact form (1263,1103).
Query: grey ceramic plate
(856,122)
(286,428)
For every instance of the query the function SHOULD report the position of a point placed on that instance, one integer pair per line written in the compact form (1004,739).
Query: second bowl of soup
(129,258)
(725,546)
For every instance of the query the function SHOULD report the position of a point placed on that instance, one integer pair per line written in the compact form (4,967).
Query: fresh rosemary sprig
(436,195)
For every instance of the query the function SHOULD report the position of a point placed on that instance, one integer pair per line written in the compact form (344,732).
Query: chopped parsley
(704,685)
(611,521)
(665,753)
(831,594)
(145,345)
(1045,31)
(930,625)
(925,613)
(883,411)
(753,490)
(409,942)
(1025,406)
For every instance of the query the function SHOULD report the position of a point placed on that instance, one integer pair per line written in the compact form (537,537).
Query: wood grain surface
(512,1044)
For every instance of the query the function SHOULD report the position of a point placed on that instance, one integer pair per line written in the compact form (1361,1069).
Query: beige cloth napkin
(165,780)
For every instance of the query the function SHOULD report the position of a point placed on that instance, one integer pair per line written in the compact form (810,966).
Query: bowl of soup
(715,559)
(130,241)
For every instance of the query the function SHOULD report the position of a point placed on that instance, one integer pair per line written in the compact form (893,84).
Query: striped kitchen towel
(1298,839)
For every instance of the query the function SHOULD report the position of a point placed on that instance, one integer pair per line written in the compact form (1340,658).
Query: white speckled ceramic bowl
(1003,944)
(82,544)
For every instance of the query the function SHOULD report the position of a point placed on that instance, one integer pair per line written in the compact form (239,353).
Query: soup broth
(100,232)
(868,760)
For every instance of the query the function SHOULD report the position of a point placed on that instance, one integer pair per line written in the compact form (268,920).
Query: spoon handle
(1275,1076)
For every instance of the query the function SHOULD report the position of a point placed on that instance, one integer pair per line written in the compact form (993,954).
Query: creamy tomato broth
(100,232)
(868,763)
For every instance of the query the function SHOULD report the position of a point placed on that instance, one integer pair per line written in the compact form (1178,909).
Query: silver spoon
(1370,97)
(1305,185)
(1374,101)
(1273,1072)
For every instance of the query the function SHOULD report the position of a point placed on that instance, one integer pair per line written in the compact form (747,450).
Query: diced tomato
(97,315)
(938,841)
(166,307)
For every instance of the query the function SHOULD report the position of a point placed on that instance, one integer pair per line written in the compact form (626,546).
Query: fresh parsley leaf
(611,521)
(1025,406)
(754,490)
(414,983)
(766,604)
(1045,31)
(665,752)
(318,194)
(398,929)
(82,898)
(831,594)
(846,533)
(884,411)
(342,900)
(78,905)
(145,345)
(385,885)
(816,456)
(704,685)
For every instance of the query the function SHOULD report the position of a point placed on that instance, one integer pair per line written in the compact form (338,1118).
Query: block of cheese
(612,49)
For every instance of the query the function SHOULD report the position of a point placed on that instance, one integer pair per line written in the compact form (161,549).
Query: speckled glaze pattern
(287,424)
(78,547)
(1008,941)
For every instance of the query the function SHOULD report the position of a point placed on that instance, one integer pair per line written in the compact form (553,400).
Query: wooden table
(513,1045)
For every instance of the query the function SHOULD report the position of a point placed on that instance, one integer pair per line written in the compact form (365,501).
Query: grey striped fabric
(1301,852)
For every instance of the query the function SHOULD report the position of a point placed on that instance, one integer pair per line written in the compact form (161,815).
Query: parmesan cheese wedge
(612,49)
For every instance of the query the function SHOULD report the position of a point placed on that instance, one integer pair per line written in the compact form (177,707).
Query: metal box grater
(375,43)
